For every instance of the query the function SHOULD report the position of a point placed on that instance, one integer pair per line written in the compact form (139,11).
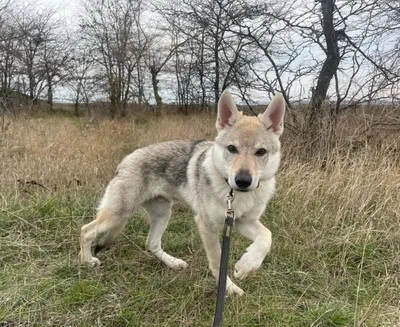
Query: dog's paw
(232,289)
(246,265)
(177,264)
(93,262)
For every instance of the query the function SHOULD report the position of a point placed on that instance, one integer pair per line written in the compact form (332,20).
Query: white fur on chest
(244,204)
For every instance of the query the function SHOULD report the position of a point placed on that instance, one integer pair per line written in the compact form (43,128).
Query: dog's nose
(243,179)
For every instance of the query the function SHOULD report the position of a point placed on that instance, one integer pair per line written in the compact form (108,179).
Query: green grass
(300,284)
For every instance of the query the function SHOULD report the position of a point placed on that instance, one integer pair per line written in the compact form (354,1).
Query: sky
(65,8)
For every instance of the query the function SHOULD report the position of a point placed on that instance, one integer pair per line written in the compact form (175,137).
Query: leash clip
(230,197)
(229,214)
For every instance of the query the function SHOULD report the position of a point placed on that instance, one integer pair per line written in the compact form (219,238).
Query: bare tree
(81,78)
(109,29)
(34,32)
(158,54)
(339,41)
(208,23)
(33,52)
(55,59)
(8,51)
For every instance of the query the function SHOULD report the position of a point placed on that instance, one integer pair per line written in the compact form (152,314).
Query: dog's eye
(232,149)
(261,152)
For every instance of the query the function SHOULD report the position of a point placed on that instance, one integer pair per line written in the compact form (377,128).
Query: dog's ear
(227,111)
(274,114)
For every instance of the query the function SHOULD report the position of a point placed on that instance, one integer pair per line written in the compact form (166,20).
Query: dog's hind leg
(116,207)
(107,223)
(159,211)
(111,234)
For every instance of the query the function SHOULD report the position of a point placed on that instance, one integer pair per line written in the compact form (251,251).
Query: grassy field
(335,221)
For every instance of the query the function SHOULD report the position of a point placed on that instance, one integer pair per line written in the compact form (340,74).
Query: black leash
(223,269)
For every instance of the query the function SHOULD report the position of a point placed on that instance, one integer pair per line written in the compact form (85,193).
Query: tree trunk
(178,80)
(216,82)
(87,105)
(216,49)
(31,84)
(76,108)
(114,97)
(328,69)
(113,106)
(50,91)
(140,86)
(4,83)
(157,96)
(201,73)
(76,105)
(113,101)
(124,108)
(126,92)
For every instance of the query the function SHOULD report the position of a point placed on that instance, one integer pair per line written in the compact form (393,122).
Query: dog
(244,157)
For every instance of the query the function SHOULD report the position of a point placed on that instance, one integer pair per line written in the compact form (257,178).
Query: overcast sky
(65,9)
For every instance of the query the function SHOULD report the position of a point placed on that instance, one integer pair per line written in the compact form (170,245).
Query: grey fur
(169,160)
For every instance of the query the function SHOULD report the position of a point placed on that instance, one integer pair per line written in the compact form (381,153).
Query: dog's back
(159,170)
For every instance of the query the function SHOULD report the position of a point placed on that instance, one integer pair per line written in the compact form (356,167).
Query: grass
(335,258)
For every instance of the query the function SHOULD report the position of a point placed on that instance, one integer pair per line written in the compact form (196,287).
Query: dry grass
(56,152)
(335,221)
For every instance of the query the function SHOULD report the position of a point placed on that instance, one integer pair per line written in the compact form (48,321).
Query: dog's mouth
(242,189)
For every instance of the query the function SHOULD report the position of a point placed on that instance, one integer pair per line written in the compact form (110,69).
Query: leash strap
(223,269)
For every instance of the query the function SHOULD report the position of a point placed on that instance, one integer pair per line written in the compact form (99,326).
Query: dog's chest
(243,205)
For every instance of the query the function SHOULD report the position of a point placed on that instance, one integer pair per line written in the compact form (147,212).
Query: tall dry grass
(59,152)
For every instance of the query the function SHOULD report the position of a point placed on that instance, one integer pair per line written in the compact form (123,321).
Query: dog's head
(247,149)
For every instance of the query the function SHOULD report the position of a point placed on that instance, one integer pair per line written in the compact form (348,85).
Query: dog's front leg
(252,259)
(210,238)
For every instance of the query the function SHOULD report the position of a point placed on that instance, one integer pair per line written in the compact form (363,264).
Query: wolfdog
(244,157)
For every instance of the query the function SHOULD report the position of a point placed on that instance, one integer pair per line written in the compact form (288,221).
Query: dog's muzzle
(243,180)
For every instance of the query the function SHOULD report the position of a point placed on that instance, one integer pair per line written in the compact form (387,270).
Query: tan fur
(248,127)
(102,216)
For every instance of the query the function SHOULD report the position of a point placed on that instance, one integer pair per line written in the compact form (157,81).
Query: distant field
(335,221)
